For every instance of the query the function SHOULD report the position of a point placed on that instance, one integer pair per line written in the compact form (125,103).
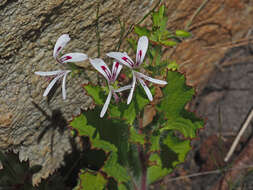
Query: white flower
(110,76)
(57,74)
(69,57)
(127,61)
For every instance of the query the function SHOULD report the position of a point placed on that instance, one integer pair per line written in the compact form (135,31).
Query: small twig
(237,43)
(207,173)
(97,29)
(237,139)
(122,31)
(196,13)
(139,22)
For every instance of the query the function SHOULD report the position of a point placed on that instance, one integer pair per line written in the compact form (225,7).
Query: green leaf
(156,19)
(180,147)
(115,170)
(172,66)
(168,42)
(134,162)
(136,137)
(176,95)
(108,135)
(91,181)
(182,33)
(122,187)
(129,112)
(161,12)
(80,124)
(141,31)
(156,171)
(96,92)
(185,126)
(155,143)
(172,152)
(159,16)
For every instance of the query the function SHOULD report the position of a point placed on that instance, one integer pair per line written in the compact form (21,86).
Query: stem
(140,21)
(143,159)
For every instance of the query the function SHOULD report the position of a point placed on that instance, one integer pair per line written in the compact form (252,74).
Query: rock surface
(30,124)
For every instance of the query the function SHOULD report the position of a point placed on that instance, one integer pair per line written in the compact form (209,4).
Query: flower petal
(101,67)
(116,68)
(51,84)
(60,43)
(108,99)
(141,49)
(64,84)
(156,81)
(130,96)
(48,73)
(73,57)
(150,97)
(123,88)
(122,58)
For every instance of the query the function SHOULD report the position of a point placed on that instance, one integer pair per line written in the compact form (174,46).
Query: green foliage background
(134,154)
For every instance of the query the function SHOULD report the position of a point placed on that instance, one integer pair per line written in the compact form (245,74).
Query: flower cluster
(69,57)
(121,59)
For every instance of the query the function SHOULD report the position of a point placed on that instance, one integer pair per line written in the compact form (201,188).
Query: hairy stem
(143,158)
(144,171)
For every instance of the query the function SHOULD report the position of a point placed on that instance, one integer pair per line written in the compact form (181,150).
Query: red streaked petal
(73,57)
(116,68)
(60,44)
(101,67)
(142,48)
(122,58)
(156,81)
(149,95)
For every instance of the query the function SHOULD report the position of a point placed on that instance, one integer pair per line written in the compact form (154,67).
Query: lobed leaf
(176,95)
(80,124)
(141,31)
(91,181)
(156,171)
(113,169)
(96,92)
(172,151)
(129,112)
